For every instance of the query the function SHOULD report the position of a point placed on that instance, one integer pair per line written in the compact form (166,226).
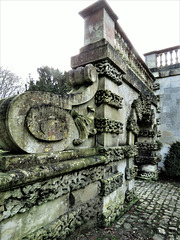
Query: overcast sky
(38,33)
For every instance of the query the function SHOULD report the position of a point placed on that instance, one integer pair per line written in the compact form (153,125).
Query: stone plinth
(99,22)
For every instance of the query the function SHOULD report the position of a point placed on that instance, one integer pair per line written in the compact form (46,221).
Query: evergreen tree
(50,80)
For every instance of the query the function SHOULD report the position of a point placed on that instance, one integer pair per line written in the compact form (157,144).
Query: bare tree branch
(9,83)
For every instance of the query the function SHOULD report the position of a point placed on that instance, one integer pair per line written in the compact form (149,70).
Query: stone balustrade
(131,57)
(164,57)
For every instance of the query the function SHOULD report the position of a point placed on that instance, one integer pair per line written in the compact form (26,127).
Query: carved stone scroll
(34,122)
(82,75)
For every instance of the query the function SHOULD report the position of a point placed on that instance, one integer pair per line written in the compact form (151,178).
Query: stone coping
(10,161)
(21,177)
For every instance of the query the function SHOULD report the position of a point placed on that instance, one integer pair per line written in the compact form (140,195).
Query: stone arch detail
(142,124)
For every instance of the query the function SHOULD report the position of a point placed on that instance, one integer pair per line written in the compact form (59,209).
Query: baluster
(176,51)
(171,58)
(166,61)
(157,59)
(160,59)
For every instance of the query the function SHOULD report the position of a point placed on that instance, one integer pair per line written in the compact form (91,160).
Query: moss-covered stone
(38,173)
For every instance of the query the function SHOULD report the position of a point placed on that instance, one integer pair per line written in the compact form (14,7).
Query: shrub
(172,161)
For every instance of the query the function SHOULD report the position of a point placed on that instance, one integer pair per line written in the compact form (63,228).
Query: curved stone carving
(85,84)
(35,122)
(82,75)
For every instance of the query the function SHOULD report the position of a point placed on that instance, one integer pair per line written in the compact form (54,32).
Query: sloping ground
(155,216)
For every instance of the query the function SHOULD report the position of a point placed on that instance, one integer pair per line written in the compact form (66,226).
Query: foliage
(50,80)
(159,144)
(172,161)
(9,83)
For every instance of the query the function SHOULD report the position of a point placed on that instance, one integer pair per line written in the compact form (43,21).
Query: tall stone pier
(71,160)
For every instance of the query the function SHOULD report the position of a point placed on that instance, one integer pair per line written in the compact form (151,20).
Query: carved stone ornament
(48,123)
(147,133)
(132,125)
(145,115)
(111,213)
(119,153)
(82,123)
(36,122)
(147,146)
(107,97)
(105,68)
(62,227)
(131,173)
(148,175)
(104,125)
(147,160)
(130,195)
(82,75)
(41,192)
(111,184)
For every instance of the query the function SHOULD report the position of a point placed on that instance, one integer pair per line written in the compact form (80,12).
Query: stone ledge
(25,176)
(10,161)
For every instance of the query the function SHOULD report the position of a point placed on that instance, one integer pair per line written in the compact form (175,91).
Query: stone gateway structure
(72,159)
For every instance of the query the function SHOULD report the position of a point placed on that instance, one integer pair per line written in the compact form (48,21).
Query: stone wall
(165,66)
(72,160)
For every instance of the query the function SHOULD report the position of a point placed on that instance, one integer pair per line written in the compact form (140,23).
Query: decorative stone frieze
(147,146)
(156,86)
(22,199)
(107,97)
(132,125)
(118,153)
(147,160)
(130,195)
(105,68)
(112,154)
(147,133)
(66,224)
(130,151)
(131,173)
(111,184)
(82,123)
(148,175)
(105,125)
